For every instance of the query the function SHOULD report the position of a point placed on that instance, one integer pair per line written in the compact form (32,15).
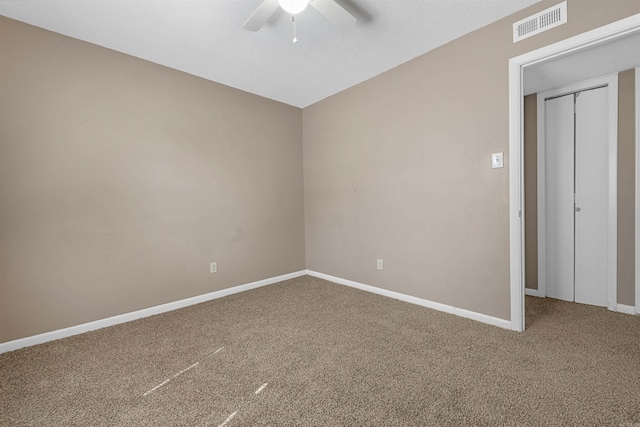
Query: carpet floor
(307,352)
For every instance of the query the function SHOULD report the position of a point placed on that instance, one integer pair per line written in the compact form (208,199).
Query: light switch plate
(496,160)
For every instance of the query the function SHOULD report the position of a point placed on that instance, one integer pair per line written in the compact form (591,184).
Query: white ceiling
(612,57)
(205,38)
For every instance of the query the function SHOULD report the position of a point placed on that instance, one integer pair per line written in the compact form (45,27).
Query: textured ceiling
(206,38)
(619,55)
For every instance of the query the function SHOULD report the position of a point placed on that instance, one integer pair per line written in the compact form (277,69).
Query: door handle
(577,209)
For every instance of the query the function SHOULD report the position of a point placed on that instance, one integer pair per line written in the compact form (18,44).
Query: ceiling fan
(328,8)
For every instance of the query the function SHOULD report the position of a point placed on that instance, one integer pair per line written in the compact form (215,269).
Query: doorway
(577,192)
(601,36)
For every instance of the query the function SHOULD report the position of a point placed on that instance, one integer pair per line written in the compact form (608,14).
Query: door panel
(559,179)
(592,193)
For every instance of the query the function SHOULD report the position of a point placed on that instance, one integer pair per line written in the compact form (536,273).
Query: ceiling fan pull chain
(293,19)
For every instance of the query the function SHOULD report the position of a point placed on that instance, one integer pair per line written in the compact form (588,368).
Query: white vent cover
(540,22)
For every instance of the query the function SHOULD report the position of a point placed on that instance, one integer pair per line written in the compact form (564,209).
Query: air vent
(540,22)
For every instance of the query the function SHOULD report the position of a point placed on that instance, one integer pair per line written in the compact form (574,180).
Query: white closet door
(559,180)
(592,192)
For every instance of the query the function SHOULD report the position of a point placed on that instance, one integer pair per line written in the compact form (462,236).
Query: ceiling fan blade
(261,15)
(334,12)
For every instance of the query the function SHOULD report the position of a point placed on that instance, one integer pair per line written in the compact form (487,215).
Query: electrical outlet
(380,264)
(213,267)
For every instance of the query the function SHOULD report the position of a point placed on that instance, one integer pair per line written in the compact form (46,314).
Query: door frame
(624,27)
(611,81)
(637,246)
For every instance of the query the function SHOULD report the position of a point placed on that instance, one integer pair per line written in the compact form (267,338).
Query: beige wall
(120,180)
(530,127)
(626,189)
(398,168)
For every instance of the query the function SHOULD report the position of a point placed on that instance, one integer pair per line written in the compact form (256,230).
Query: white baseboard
(532,292)
(506,324)
(127,317)
(626,309)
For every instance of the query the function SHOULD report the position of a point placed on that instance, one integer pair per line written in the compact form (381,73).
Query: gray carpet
(331,356)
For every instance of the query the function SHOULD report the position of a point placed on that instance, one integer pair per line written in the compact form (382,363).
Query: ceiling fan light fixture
(293,6)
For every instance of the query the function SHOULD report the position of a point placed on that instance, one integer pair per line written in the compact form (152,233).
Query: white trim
(612,265)
(531,292)
(626,309)
(127,317)
(516,194)
(588,39)
(415,300)
(637,213)
(611,81)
